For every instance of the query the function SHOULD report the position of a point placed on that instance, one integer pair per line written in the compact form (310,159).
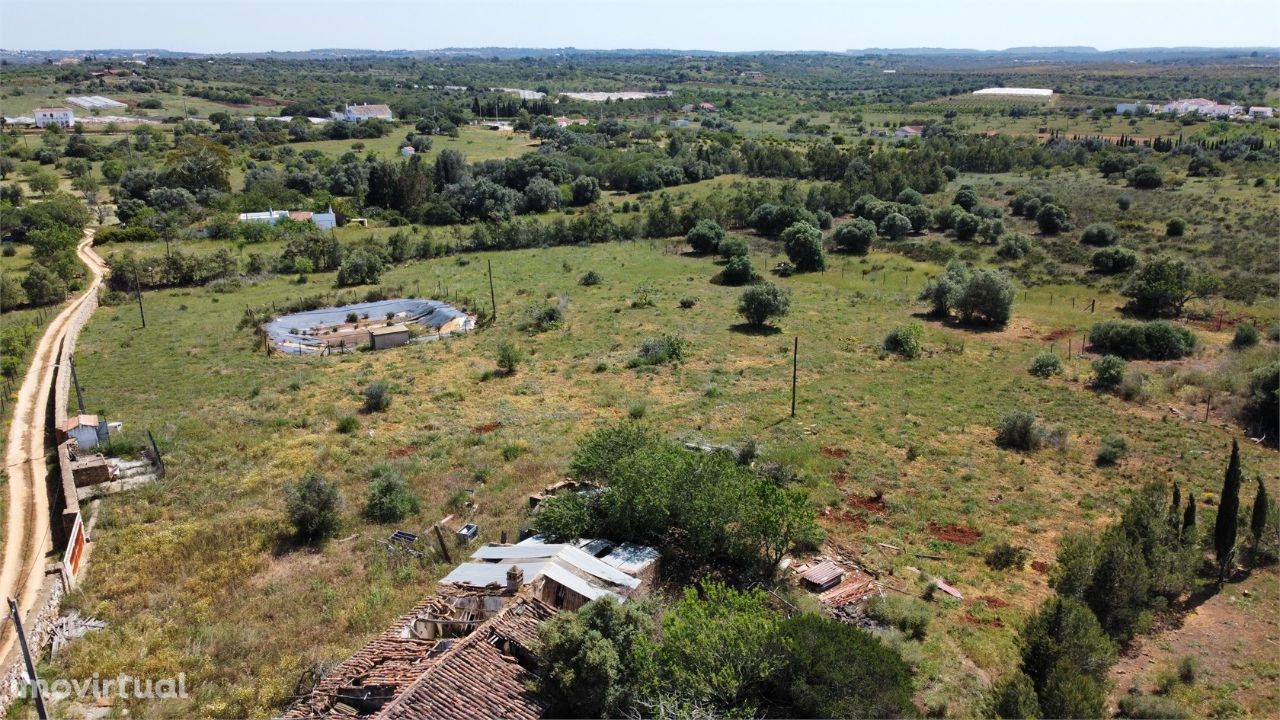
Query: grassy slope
(192,575)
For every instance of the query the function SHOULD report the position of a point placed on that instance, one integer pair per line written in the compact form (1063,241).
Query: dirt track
(26,531)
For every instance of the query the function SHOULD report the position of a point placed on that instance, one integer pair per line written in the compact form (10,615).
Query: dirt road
(27,542)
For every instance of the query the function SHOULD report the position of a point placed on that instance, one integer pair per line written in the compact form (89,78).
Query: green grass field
(236,426)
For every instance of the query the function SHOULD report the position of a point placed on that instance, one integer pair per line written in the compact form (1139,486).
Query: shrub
(734,246)
(855,236)
(1124,202)
(1018,430)
(739,271)
(895,226)
(1176,227)
(360,267)
(1261,408)
(313,504)
(377,396)
(591,277)
(907,614)
(1005,556)
(1145,177)
(1151,707)
(803,243)
(508,357)
(1155,340)
(1111,261)
(705,237)
(760,303)
(543,318)
(659,350)
(904,340)
(1052,220)
(1046,364)
(1112,449)
(1108,372)
(688,302)
(1013,247)
(1015,697)
(987,298)
(389,499)
(1100,234)
(348,424)
(1070,693)
(1246,337)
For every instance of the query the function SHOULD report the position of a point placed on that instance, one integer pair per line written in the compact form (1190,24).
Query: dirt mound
(870,504)
(1058,334)
(835,453)
(486,428)
(993,602)
(957,534)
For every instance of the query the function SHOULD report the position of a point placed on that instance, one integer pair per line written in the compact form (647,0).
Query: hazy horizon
(234,26)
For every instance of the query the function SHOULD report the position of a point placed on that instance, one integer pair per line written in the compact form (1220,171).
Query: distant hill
(1064,53)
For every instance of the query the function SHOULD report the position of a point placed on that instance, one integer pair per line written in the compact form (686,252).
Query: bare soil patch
(957,534)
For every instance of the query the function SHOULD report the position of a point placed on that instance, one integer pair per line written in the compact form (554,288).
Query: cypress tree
(1258,522)
(1225,526)
(1176,505)
(1189,521)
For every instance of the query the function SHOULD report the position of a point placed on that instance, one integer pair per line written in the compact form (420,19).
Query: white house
(365,111)
(61,116)
(324,221)
(1258,112)
(909,131)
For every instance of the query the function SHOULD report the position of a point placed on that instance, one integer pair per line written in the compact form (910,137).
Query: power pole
(795,365)
(26,656)
(137,289)
(492,297)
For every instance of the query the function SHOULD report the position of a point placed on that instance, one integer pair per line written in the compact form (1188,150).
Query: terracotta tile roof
(480,677)
(475,676)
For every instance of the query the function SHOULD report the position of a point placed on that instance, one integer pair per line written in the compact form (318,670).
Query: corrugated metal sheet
(565,577)
(482,574)
(824,574)
(631,558)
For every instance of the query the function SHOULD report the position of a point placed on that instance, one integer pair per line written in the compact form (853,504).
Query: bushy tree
(1064,628)
(966,226)
(739,271)
(42,286)
(733,246)
(1013,247)
(966,197)
(803,243)
(987,298)
(895,226)
(763,302)
(1261,410)
(1114,260)
(909,196)
(451,167)
(1176,227)
(944,292)
(1164,285)
(1071,693)
(313,504)
(1145,177)
(705,237)
(11,292)
(541,195)
(585,190)
(1100,234)
(1052,220)
(855,236)
(598,661)
(361,266)
(834,670)
(1014,697)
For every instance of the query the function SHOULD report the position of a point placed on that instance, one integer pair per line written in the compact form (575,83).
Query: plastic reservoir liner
(430,313)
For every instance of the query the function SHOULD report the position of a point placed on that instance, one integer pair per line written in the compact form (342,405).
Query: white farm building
(1015,92)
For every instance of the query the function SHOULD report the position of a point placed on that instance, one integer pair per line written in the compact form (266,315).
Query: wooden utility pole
(137,290)
(492,297)
(795,366)
(26,656)
(444,550)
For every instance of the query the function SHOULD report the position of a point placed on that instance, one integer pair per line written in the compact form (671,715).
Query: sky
(727,25)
